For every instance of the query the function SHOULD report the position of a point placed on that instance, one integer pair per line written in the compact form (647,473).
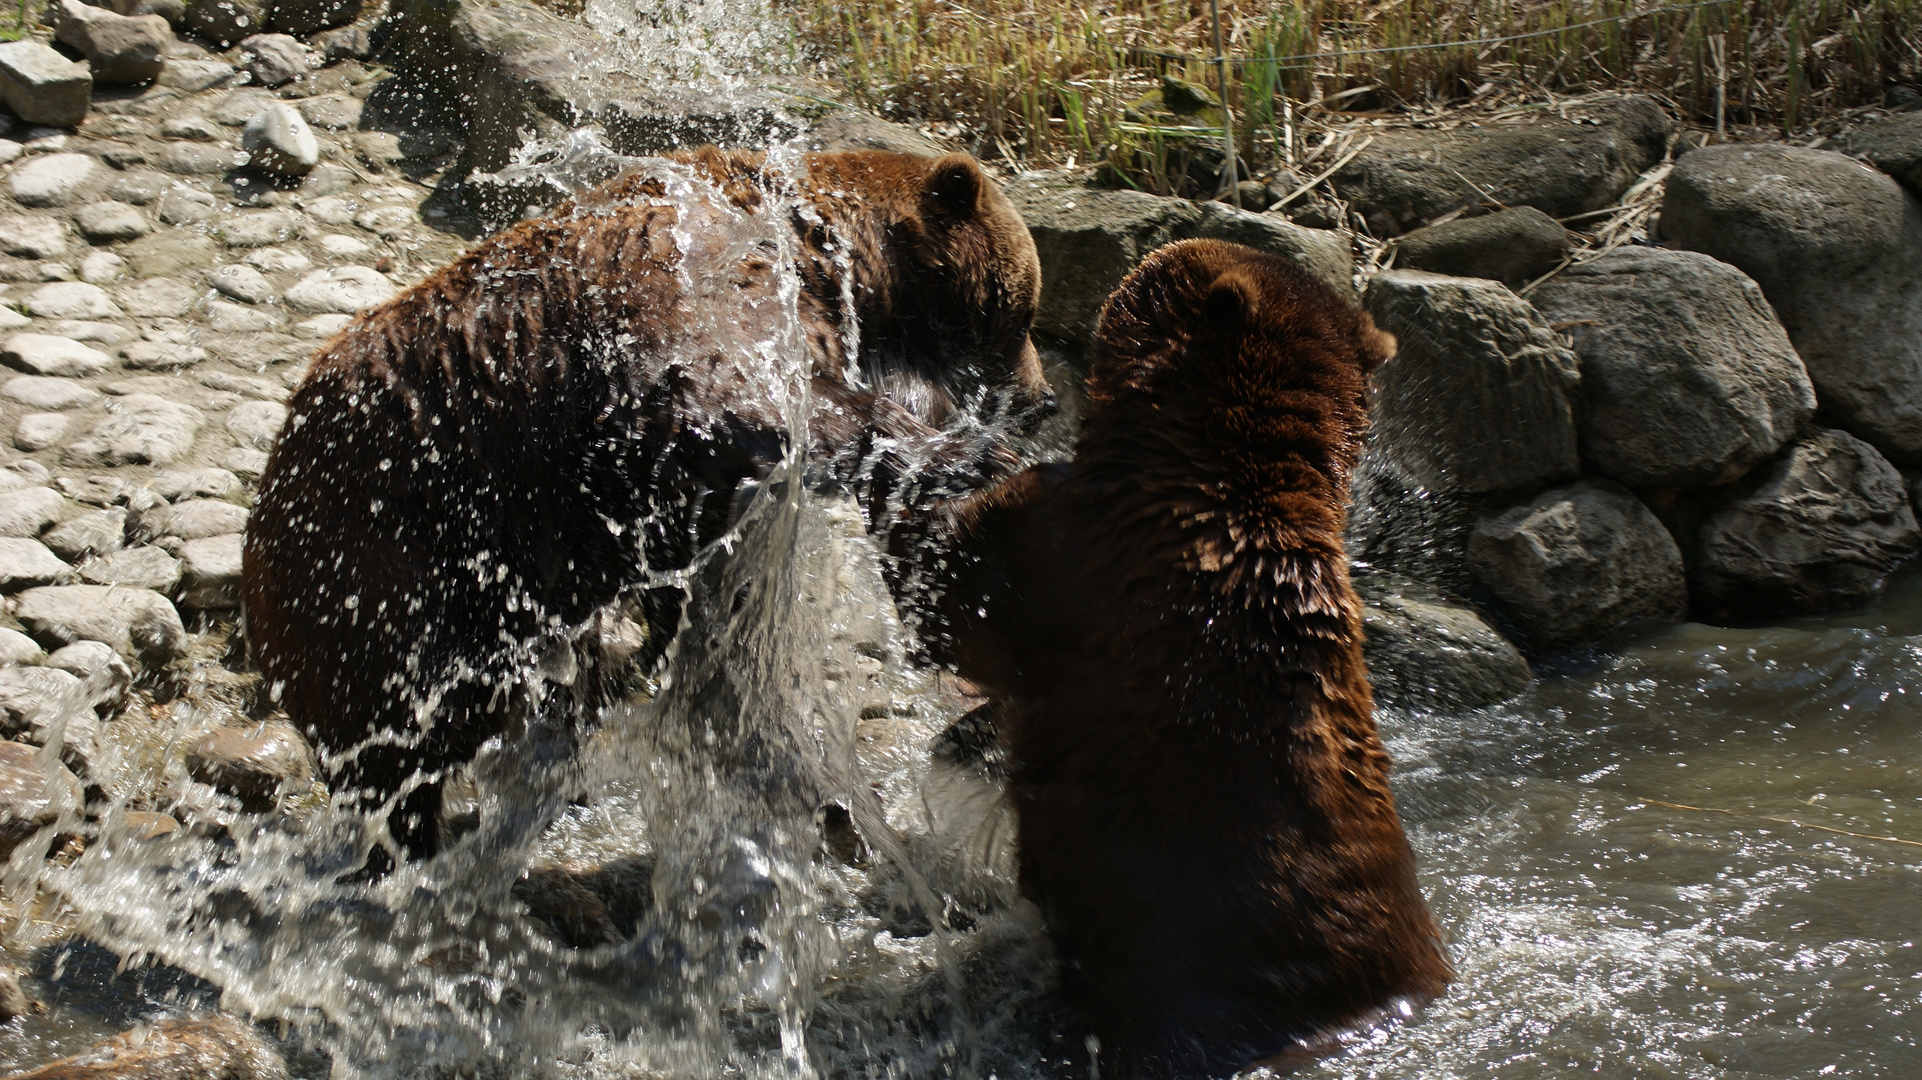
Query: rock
(1088,240)
(274,260)
(248,385)
(1837,249)
(33,237)
(1562,167)
(331,209)
(14,1003)
(160,356)
(257,764)
(138,186)
(1821,527)
(140,625)
(197,484)
(1481,396)
(1516,246)
(183,206)
(189,126)
(1324,254)
(108,222)
(169,253)
(25,563)
(72,300)
(33,795)
(307,16)
(119,48)
(163,298)
(352,247)
(143,430)
(387,221)
(148,824)
(135,568)
(199,1048)
(30,511)
(242,283)
(279,142)
(1892,144)
(343,290)
(98,490)
(332,112)
(37,392)
(346,43)
(322,327)
(53,179)
(193,519)
(1577,562)
(249,463)
(275,59)
(48,355)
(18,648)
(259,228)
(98,533)
(102,268)
(104,677)
(191,75)
(257,423)
(194,159)
(223,22)
(1688,378)
(1427,653)
(40,704)
(379,150)
(234,319)
(210,573)
(92,330)
(37,431)
(43,87)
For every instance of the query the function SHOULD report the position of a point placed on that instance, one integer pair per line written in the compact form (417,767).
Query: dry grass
(1046,81)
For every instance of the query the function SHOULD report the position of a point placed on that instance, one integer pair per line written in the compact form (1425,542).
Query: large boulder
(1427,652)
(1820,528)
(1688,377)
(1562,167)
(1088,240)
(1892,144)
(1515,246)
(1837,249)
(118,48)
(1481,397)
(1577,562)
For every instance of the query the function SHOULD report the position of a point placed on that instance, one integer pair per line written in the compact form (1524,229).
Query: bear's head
(946,284)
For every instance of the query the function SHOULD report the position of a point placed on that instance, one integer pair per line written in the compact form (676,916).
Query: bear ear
(1232,302)
(954,186)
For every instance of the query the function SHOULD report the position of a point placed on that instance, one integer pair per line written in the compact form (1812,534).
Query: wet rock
(33,795)
(148,824)
(1088,240)
(30,511)
(140,625)
(387,221)
(1561,167)
(234,319)
(119,48)
(210,573)
(274,59)
(259,228)
(343,289)
(1324,254)
(203,1048)
(1578,562)
(223,22)
(1428,653)
(196,484)
(14,1003)
(274,260)
(1837,249)
(157,298)
(25,563)
(279,142)
(333,112)
(54,179)
(256,764)
(33,237)
(1892,144)
(45,354)
(40,704)
(144,429)
(135,568)
(18,648)
(242,283)
(98,533)
(346,43)
(111,221)
(1481,396)
(105,678)
(193,519)
(257,423)
(1688,377)
(557,897)
(1821,527)
(1516,246)
(183,206)
(37,431)
(43,87)
(72,300)
(161,356)
(379,150)
(194,159)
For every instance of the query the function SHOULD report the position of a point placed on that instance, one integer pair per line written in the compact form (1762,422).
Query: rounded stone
(107,222)
(161,298)
(279,142)
(54,179)
(143,429)
(274,260)
(30,511)
(72,300)
(33,237)
(257,423)
(242,283)
(37,431)
(25,563)
(138,624)
(134,568)
(43,393)
(342,290)
(45,354)
(102,268)
(96,533)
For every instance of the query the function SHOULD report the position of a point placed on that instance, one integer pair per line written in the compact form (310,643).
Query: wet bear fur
(1167,630)
(475,472)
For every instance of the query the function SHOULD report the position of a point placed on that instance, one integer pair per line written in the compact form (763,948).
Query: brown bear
(563,417)
(1168,633)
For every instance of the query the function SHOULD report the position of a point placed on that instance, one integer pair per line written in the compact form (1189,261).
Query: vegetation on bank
(1053,81)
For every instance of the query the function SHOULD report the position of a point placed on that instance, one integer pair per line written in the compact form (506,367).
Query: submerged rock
(1426,652)
(33,794)
(256,764)
(206,1048)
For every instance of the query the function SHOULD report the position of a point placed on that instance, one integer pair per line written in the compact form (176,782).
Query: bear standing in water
(1168,631)
(572,411)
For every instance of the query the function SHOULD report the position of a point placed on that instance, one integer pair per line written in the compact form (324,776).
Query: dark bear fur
(1168,628)
(471,472)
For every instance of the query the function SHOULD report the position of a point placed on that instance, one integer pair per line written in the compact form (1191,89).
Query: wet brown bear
(567,413)
(1168,631)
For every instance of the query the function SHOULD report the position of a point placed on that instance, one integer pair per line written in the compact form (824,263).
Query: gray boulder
(119,48)
(54,179)
(33,237)
(1892,144)
(193,519)
(1577,562)
(138,624)
(1481,396)
(1088,240)
(343,289)
(110,221)
(134,568)
(1688,377)
(28,512)
(1562,167)
(18,648)
(1516,246)
(174,11)
(1837,249)
(1820,528)
(39,704)
(104,676)
(1425,652)
(43,87)
(46,354)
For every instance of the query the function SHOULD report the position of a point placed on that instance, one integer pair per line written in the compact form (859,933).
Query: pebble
(138,624)
(257,423)
(343,290)
(37,431)
(45,354)
(183,206)
(259,228)
(119,49)
(160,297)
(345,247)
(30,511)
(25,562)
(98,533)
(194,519)
(54,179)
(104,676)
(72,300)
(234,319)
(275,59)
(32,795)
(160,356)
(135,568)
(210,573)
(194,484)
(143,430)
(242,283)
(279,142)
(33,237)
(106,222)
(102,268)
(189,126)
(322,327)
(18,648)
(105,333)
(254,763)
(41,392)
(274,260)
(95,490)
